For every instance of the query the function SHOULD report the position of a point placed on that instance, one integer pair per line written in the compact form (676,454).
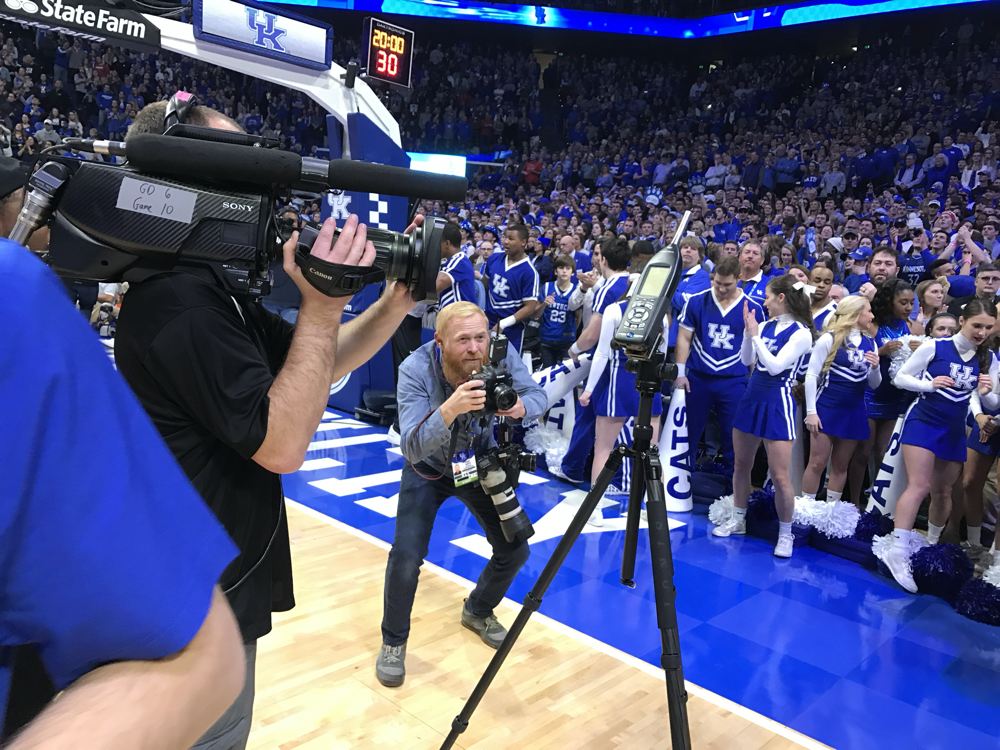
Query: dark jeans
(419,501)
(554,352)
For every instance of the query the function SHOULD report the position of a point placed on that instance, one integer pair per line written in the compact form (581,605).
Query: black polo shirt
(202,365)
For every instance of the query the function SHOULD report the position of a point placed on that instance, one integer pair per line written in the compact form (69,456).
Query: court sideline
(316,687)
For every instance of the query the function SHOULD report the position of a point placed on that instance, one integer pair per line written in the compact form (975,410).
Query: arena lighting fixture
(777,16)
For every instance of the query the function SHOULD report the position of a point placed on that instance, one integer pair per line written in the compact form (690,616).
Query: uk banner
(675,455)
(891,480)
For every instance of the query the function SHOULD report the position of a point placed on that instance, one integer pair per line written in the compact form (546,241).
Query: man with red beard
(440,437)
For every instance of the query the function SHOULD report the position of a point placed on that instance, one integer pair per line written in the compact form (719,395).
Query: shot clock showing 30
(389,52)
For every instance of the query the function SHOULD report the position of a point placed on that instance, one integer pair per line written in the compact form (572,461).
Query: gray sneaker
(489,628)
(390,667)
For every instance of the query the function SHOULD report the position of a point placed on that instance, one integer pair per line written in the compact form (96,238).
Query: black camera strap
(336,279)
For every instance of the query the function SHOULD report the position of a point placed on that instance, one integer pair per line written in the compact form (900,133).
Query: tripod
(645,477)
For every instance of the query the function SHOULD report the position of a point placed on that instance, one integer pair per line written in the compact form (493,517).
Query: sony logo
(238,206)
(314,272)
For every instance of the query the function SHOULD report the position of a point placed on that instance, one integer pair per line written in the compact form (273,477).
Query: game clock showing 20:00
(389,52)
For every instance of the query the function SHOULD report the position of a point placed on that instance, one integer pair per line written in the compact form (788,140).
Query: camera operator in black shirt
(237,393)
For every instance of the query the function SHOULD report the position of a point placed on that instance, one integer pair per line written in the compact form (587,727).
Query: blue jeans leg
(507,559)
(419,501)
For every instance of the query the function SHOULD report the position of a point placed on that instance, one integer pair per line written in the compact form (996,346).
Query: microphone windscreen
(189,157)
(364,177)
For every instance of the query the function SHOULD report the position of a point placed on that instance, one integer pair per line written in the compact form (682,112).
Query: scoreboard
(388,52)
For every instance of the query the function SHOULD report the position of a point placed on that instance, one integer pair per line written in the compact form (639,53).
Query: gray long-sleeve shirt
(422,389)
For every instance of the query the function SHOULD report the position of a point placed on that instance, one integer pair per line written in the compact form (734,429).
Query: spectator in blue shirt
(110,566)
(694,279)
(787,170)
(557,312)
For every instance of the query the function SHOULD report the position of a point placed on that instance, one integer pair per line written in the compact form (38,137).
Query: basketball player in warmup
(511,287)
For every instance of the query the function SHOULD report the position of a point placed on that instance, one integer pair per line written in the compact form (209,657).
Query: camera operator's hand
(517,411)
(398,294)
(469,396)
(350,249)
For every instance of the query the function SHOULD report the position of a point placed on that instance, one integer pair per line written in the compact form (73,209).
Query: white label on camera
(154,199)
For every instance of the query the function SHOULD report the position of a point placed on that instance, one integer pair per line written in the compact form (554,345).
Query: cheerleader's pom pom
(979,600)
(761,506)
(872,524)
(837,520)
(721,510)
(941,570)
(713,467)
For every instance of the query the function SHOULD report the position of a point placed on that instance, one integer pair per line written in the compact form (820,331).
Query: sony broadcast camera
(500,468)
(206,202)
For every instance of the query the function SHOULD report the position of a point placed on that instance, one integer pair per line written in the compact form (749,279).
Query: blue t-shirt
(510,286)
(912,267)
(109,553)
(855,281)
(716,335)
(583,260)
(463,281)
(558,323)
(104,100)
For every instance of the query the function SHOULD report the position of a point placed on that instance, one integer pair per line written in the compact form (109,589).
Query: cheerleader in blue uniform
(821,278)
(843,361)
(613,392)
(891,306)
(983,449)
(767,410)
(933,437)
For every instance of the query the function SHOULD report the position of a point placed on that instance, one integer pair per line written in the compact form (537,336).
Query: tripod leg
(641,437)
(666,595)
(533,600)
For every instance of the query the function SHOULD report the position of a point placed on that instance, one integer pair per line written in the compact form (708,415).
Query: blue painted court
(817,643)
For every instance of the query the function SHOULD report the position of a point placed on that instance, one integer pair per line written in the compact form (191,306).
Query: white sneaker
(557,471)
(393,435)
(596,518)
(785,545)
(735,525)
(900,569)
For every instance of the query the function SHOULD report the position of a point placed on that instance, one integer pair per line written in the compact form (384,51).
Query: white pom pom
(898,358)
(992,575)
(914,541)
(721,510)
(805,510)
(837,519)
(549,441)
(881,546)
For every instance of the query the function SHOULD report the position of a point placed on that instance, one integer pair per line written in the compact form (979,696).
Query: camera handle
(333,279)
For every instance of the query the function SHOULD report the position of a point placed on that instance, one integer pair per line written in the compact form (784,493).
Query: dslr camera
(500,468)
(497,382)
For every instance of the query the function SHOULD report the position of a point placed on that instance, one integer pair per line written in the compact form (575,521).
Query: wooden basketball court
(316,686)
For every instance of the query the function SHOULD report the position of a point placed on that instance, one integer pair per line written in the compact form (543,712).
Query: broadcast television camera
(196,204)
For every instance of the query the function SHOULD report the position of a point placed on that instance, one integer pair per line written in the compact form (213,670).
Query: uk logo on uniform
(722,337)
(963,377)
(268,33)
(500,286)
(857,359)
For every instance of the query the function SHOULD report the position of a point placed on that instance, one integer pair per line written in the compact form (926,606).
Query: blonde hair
(457,311)
(841,323)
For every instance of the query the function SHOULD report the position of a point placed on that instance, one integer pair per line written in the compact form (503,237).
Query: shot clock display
(389,52)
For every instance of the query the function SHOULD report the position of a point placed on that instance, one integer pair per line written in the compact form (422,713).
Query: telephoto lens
(514,521)
(411,258)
